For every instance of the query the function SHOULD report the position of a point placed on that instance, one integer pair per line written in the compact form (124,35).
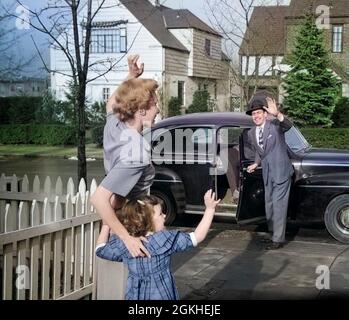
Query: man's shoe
(274,246)
(266,241)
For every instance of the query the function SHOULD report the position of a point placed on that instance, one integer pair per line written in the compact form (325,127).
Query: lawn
(48,151)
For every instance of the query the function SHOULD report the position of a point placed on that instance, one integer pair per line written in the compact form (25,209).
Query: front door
(251,206)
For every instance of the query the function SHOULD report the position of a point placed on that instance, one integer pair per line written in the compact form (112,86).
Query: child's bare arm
(205,223)
(103,235)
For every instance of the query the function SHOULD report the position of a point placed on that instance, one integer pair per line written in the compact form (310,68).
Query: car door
(187,151)
(251,206)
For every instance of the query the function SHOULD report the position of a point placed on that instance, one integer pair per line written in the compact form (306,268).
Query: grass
(30,150)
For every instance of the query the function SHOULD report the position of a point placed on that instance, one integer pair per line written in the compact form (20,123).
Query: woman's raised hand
(134,70)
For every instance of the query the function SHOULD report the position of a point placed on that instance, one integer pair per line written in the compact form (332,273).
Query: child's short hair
(137,215)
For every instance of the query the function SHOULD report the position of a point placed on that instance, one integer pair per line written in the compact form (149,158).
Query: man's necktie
(260,137)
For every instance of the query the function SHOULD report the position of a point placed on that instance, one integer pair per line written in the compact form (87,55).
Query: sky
(25,47)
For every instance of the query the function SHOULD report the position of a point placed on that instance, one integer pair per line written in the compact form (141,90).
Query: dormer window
(108,36)
(108,40)
(208,47)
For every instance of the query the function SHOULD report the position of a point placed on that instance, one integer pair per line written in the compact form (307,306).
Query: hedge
(97,135)
(327,138)
(66,135)
(19,109)
(37,134)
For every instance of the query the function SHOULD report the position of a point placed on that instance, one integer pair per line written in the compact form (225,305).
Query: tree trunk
(82,168)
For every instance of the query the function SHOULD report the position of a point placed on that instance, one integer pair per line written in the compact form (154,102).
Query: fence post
(82,192)
(2,203)
(24,215)
(13,218)
(36,185)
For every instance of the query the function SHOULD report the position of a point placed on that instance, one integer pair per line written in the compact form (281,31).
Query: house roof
(158,19)
(265,34)
(183,18)
(338,8)
(105,24)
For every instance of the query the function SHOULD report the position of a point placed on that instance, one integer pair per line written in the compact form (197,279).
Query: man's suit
(277,171)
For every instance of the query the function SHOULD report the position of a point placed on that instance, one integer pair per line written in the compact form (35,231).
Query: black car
(187,155)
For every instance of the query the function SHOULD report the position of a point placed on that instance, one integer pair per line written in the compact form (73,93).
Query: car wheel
(169,207)
(337,218)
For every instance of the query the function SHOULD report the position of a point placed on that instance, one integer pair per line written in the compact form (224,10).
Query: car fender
(169,182)
(314,193)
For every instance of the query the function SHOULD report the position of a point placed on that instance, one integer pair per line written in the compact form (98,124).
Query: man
(268,140)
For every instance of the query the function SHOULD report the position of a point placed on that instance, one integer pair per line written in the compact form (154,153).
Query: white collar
(261,127)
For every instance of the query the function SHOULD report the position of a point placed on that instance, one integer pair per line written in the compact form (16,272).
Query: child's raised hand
(210,201)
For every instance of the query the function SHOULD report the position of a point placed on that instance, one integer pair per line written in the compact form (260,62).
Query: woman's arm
(134,71)
(101,201)
(205,223)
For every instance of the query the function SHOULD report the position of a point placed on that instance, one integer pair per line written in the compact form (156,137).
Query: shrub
(340,115)
(37,134)
(327,138)
(200,102)
(19,109)
(97,135)
(174,107)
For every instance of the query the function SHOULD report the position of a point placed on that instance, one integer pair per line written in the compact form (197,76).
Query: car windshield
(295,140)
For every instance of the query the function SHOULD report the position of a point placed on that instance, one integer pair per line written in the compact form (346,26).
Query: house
(178,49)
(271,33)
(23,86)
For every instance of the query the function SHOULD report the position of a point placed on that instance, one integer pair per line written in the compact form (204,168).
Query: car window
(295,140)
(229,136)
(182,142)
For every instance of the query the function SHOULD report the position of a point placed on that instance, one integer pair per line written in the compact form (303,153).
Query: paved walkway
(232,264)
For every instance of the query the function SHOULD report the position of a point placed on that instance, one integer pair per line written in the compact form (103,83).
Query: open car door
(251,208)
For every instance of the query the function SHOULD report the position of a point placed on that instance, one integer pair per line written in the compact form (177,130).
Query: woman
(129,172)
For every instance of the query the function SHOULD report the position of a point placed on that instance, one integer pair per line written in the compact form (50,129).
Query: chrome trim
(311,186)
(217,214)
(173,181)
(326,164)
(183,161)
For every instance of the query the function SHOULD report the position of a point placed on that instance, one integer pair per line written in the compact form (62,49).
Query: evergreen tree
(312,89)
(200,102)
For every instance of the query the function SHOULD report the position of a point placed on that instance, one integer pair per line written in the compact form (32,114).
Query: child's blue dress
(149,278)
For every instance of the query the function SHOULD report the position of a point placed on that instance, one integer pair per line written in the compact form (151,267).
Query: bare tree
(61,21)
(232,20)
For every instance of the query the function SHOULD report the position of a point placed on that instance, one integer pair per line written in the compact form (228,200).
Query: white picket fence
(47,239)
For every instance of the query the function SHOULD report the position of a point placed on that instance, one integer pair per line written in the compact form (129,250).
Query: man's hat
(258,101)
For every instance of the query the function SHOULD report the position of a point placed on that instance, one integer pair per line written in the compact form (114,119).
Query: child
(151,278)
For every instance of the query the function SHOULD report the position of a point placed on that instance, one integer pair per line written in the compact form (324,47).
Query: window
(208,47)
(182,145)
(108,40)
(337,38)
(181,92)
(106,93)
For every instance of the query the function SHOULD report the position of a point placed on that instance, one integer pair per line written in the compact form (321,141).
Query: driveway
(232,264)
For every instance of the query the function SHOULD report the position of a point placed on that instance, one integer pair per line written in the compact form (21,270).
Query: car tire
(169,207)
(337,218)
